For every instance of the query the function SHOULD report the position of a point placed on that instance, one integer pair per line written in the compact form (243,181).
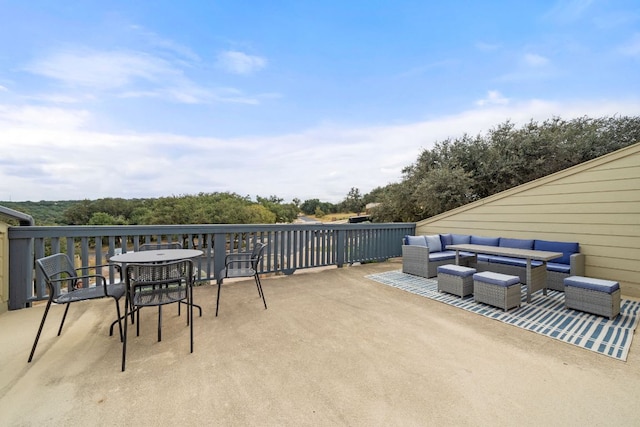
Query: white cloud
(34,117)
(59,162)
(89,74)
(240,63)
(531,66)
(102,70)
(167,45)
(493,98)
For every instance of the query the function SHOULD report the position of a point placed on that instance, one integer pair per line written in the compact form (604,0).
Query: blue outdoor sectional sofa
(421,256)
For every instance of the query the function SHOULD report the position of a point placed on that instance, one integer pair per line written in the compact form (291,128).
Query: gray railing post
(219,253)
(341,243)
(20,272)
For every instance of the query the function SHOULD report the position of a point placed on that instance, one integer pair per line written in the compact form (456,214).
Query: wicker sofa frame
(555,279)
(415,260)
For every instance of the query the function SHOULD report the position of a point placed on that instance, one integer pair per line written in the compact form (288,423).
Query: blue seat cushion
(445,240)
(460,239)
(599,285)
(486,241)
(415,240)
(567,249)
(519,262)
(497,279)
(456,270)
(516,243)
(483,258)
(440,256)
(558,268)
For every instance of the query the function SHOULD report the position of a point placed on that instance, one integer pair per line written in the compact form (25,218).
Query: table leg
(536,279)
(544,268)
(529,283)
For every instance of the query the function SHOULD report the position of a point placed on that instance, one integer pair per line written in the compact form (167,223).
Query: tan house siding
(596,203)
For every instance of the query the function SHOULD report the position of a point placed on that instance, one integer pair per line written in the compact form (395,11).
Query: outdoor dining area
(333,348)
(155,275)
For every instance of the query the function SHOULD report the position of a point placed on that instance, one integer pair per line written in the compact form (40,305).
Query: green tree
(353,202)
(103,218)
(284,212)
(78,214)
(459,171)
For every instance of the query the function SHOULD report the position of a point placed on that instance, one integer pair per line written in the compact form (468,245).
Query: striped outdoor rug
(544,315)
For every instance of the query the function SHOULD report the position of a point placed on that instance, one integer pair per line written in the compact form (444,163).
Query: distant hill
(43,212)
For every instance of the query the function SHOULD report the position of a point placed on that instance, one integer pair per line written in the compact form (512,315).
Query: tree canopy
(459,171)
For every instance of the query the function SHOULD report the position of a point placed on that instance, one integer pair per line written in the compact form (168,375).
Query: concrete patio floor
(333,348)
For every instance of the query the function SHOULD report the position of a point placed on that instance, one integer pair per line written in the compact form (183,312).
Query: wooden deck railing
(290,247)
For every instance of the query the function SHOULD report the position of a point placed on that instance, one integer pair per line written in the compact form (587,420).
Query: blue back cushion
(567,249)
(487,241)
(434,243)
(415,240)
(460,239)
(516,243)
(445,239)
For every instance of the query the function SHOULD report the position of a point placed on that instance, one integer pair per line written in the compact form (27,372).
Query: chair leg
(131,311)
(64,316)
(190,290)
(218,299)
(124,339)
(35,343)
(137,309)
(258,285)
(159,323)
(257,277)
(119,320)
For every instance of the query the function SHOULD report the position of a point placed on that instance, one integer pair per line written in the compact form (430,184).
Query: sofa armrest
(416,251)
(415,260)
(577,264)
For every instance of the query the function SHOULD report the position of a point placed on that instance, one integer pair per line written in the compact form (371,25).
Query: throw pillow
(434,244)
(416,240)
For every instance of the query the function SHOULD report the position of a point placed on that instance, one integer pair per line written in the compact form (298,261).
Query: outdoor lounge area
(333,348)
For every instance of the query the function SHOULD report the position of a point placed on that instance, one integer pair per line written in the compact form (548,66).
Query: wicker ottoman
(497,289)
(596,296)
(455,279)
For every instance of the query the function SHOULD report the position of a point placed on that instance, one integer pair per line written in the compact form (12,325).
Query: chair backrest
(155,246)
(159,274)
(257,254)
(56,267)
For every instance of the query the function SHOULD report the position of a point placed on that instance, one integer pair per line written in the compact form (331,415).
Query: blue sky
(296,99)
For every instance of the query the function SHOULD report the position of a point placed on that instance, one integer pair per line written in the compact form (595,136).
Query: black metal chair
(155,285)
(172,245)
(59,271)
(243,264)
